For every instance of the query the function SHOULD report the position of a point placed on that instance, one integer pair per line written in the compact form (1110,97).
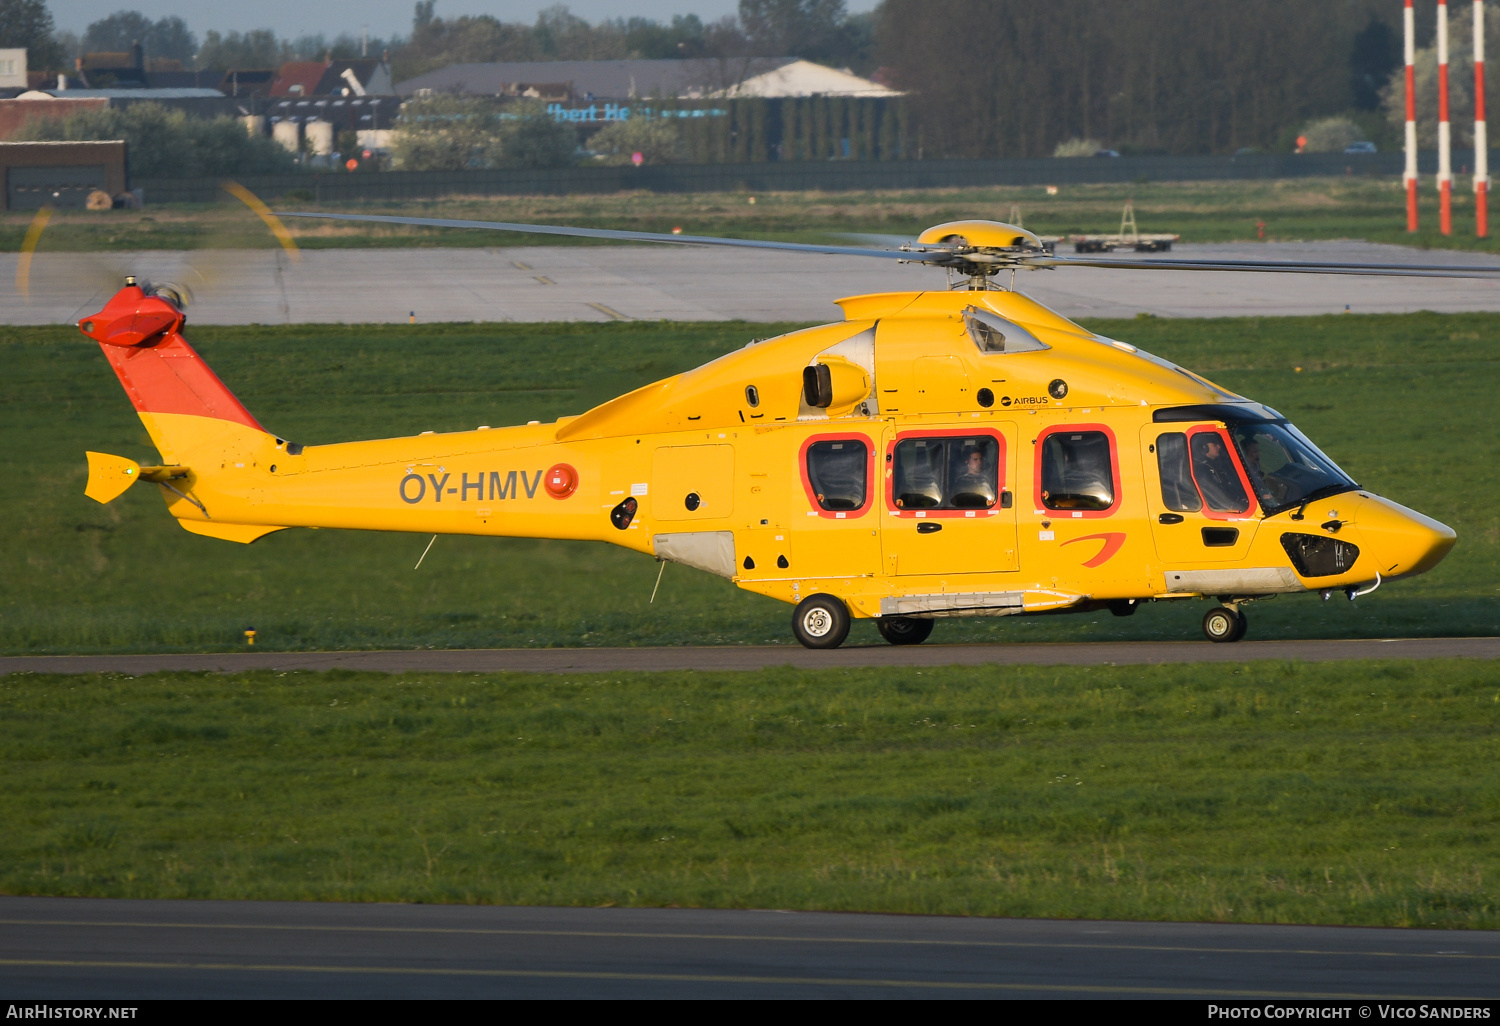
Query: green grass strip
(1357,793)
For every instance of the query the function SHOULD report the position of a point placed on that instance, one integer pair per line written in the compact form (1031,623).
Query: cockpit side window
(1177,489)
(1215,472)
(836,473)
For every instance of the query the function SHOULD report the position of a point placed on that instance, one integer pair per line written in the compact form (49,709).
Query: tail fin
(180,400)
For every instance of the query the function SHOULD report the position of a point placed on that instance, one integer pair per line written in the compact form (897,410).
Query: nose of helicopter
(1402,541)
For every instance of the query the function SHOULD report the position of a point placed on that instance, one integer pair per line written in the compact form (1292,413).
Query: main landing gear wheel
(1224,624)
(904,630)
(821,621)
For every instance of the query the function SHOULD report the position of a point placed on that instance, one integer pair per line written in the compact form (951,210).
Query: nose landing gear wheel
(903,630)
(1224,624)
(821,621)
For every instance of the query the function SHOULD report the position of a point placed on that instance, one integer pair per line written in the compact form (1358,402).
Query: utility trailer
(1129,237)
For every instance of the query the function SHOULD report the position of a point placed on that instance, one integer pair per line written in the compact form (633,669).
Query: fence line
(790,176)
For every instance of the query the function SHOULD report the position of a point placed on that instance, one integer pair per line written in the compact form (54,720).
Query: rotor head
(976,249)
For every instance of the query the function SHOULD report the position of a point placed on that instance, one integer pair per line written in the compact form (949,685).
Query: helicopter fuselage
(934,454)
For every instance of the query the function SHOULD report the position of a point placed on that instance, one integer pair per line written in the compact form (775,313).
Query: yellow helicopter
(959,452)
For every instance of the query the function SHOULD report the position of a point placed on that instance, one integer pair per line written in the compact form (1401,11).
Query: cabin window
(1077,471)
(994,334)
(836,471)
(956,472)
(1177,489)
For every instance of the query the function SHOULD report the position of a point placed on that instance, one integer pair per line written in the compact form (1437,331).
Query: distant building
(804,78)
(247,82)
(747,110)
(572,82)
(344,113)
(60,174)
(13,69)
(36,105)
(195,102)
(363,76)
(132,69)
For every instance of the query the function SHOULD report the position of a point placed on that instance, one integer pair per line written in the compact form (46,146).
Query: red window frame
(870,479)
(944,514)
(1114,470)
(1234,461)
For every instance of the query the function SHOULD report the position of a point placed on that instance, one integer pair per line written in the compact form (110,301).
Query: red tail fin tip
(140,336)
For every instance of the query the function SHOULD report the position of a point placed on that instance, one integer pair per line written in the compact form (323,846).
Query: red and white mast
(1410,177)
(1445,136)
(1481,139)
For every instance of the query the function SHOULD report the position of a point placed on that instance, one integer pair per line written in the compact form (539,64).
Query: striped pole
(1445,137)
(1410,177)
(1481,138)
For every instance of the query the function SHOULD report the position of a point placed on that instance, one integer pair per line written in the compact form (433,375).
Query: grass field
(1404,403)
(1358,793)
(1294,209)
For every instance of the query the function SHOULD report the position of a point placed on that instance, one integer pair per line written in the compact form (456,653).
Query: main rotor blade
(619,236)
(1274,266)
(936,255)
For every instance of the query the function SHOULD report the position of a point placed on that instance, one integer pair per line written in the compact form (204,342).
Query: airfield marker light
(1445,138)
(676,231)
(1481,137)
(250,636)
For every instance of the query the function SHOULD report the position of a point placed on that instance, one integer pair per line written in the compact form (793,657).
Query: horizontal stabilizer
(110,476)
(242,533)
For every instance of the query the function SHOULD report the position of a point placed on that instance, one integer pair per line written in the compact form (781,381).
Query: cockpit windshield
(1284,467)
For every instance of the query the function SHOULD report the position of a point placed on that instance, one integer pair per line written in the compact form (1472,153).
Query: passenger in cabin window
(974,485)
(1216,476)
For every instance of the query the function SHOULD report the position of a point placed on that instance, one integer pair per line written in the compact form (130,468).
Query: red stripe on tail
(161,373)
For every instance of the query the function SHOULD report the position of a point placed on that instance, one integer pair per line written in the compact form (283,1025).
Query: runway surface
(603,283)
(85,948)
(756,657)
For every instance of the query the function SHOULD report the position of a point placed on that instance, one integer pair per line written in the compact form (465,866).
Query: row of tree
(1165,76)
(819,30)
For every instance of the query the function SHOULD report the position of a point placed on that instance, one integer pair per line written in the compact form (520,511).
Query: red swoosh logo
(1112,541)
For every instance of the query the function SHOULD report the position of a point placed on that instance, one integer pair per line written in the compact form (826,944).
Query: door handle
(928,527)
(1169,518)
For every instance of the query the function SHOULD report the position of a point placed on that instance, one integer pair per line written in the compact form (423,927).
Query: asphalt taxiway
(102,949)
(689,283)
(757,657)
